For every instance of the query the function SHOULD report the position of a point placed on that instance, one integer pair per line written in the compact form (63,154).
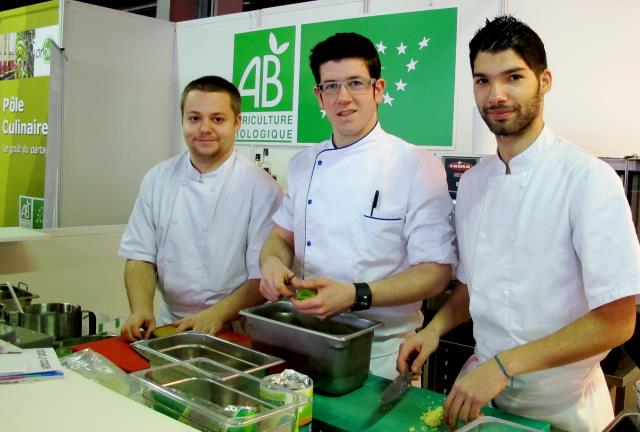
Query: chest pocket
(381,238)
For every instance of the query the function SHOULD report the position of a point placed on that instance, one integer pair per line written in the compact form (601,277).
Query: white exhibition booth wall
(123,74)
(117,110)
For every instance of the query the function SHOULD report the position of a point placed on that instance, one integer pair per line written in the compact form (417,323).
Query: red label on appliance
(459,166)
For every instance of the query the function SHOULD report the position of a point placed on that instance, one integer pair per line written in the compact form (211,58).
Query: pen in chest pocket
(374,204)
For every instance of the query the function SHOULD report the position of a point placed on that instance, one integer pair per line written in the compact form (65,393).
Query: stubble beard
(520,123)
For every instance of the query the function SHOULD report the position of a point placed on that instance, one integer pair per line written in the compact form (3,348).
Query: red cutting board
(117,350)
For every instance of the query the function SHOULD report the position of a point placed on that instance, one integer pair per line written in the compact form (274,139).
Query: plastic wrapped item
(98,368)
(270,388)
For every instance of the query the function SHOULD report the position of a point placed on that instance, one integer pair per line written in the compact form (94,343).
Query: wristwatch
(363,297)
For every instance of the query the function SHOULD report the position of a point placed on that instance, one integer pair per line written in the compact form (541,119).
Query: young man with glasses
(365,222)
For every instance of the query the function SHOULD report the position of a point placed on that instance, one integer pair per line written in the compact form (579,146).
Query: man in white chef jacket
(549,259)
(199,222)
(365,221)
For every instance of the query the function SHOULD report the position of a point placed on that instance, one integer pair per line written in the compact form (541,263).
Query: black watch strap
(363,297)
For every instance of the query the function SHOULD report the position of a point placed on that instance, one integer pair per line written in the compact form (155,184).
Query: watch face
(363,297)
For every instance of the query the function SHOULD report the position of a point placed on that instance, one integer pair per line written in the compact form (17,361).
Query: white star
(324,113)
(401,48)
(411,65)
(387,99)
(424,42)
(400,85)
(381,47)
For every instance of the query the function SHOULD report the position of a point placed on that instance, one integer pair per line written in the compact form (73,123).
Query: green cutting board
(358,410)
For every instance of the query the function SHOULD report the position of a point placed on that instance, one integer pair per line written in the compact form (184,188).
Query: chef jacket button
(205,229)
(198,266)
(175,221)
(513,237)
(309,202)
(319,163)
(308,243)
(505,292)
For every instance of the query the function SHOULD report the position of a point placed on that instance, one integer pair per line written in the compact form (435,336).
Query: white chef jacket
(538,249)
(338,233)
(204,232)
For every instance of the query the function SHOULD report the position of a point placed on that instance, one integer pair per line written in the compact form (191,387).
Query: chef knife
(391,394)
(400,385)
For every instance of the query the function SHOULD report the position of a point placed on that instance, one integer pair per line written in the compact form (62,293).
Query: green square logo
(263,71)
(31,212)
(38,213)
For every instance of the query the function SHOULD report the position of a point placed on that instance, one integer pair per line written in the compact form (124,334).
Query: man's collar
(372,134)
(530,156)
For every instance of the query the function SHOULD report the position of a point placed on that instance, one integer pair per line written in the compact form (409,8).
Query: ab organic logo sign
(31,212)
(46,49)
(263,70)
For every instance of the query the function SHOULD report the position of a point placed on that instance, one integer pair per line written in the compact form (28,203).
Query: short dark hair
(212,84)
(507,32)
(343,46)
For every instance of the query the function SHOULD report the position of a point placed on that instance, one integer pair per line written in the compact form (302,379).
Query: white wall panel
(592,53)
(117,110)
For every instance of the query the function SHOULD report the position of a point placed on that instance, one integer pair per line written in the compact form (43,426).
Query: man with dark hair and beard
(549,260)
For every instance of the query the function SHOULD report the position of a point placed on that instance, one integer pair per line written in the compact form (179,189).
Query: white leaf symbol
(273,44)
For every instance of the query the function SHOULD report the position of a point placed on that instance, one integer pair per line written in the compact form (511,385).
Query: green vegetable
(305,293)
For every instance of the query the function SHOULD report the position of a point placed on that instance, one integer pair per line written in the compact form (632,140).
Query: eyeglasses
(354,86)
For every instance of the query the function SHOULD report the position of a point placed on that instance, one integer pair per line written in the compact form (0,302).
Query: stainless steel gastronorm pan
(333,352)
(193,344)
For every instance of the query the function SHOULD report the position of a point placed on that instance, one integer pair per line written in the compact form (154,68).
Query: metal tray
(333,352)
(340,328)
(193,344)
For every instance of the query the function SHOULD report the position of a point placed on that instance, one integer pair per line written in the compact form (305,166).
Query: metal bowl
(334,352)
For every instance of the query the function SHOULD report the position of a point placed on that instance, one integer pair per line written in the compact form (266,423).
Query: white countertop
(75,403)
(10,234)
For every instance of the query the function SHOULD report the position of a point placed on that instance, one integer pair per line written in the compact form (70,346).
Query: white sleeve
(284,216)
(429,232)
(266,199)
(604,238)
(139,239)
(460,269)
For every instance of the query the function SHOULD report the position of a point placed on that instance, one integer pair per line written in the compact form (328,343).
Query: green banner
(29,17)
(417,51)
(26,37)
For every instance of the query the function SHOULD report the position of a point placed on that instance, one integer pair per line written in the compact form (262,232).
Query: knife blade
(388,398)
(400,385)
(396,389)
